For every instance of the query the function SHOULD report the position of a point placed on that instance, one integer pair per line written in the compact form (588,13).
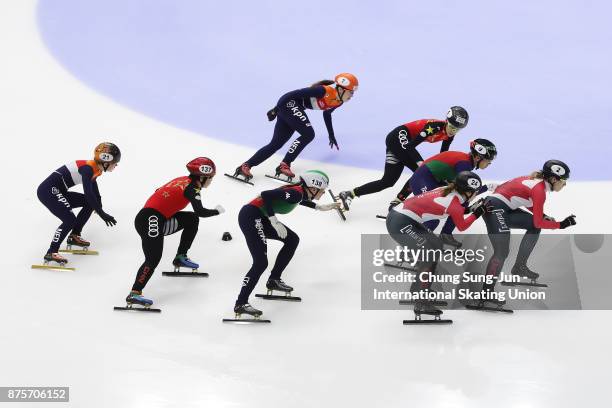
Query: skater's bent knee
(260,265)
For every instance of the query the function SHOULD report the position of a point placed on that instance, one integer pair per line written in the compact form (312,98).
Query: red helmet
(347,81)
(202,166)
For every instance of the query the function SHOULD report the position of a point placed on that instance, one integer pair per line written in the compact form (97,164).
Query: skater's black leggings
(54,195)
(152,226)
(291,117)
(412,234)
(399,155)
(256,227)
(500,220)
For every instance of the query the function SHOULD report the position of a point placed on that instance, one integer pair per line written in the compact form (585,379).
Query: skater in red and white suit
(405,224)
(504,212)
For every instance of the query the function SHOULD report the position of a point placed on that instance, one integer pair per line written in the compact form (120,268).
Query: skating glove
(327,207)
(568,221)
(333,142)
(108,219)
(479,208)
(280,229)
(220,209)
(491,187)
(271,114)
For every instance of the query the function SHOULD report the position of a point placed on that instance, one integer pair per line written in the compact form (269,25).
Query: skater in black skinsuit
(258,223)
(290,115)
(54,193)
(401,145)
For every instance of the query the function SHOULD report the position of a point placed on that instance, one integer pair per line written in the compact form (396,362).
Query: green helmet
(315,178)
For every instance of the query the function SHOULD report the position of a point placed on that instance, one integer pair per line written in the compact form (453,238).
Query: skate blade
(279,297)
(137,309)
(382,217)
(533,285)
(53,268)
(400,266)
(429,321)
(489,308)
(341,210)
(191,274)
(433,302)
(239,179)
(285,179)
(79,251)
(246,321)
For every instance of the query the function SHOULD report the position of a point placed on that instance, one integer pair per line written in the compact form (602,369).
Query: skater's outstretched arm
(446,144)
(309,204)
(538,196)
(97,192)
(327,118)
(456,211)
(90,188)
(192,193)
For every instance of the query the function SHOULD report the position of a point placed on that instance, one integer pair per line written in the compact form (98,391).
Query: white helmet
(315,178)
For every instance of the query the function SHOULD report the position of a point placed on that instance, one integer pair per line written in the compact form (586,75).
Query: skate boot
(247,309)
(278,284)
(244,170)
(491,298)
(490,301)
(394,203)
(448,239)
(135,298)
(55,257)
(427,308)
(524,272)
(285,170)
(346,197)
(184,261)
(142,303)
(76,240)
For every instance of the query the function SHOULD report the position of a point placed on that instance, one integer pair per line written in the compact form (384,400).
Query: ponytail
(538,174)
(448,189)
(323,82)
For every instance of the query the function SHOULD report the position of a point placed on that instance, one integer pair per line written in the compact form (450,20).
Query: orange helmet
(347,81)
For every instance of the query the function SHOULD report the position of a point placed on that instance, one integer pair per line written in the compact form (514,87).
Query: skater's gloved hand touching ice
(568,221)
(281,230)
(108,219)
(327,207)
(220,209)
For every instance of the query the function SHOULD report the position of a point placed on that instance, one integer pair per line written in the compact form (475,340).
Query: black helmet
(556,168)
(483,148)
(467,181)
(457,116)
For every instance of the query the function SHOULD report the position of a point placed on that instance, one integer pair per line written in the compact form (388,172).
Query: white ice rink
(59,329)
